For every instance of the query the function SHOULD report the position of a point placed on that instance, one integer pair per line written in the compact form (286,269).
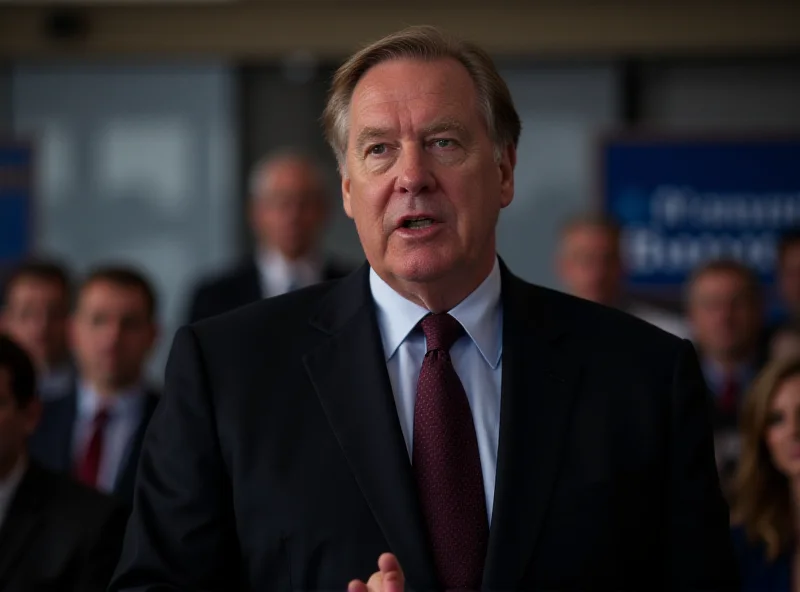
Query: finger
(357,586)
(393,579)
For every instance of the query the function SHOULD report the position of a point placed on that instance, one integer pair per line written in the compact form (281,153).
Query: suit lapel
(126,480)
(348,371)
(23,521)
(539,383)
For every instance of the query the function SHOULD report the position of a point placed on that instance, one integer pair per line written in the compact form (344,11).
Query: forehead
(29,286)
(788,391)
(589,233)
(407,91)
(101,293)
(289,175)
(721,282)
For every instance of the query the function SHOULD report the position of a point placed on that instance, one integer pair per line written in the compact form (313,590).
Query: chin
(421,267)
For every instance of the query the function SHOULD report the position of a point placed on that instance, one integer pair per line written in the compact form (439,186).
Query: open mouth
(417,223)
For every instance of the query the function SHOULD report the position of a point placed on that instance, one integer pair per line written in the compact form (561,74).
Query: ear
(508,162)
(346,192)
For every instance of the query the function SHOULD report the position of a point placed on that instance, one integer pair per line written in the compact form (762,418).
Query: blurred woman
(766,506)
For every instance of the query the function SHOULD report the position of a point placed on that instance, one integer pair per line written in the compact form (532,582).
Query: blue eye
(443,143)
(377,149)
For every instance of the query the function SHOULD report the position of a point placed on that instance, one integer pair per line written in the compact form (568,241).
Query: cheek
(774,440)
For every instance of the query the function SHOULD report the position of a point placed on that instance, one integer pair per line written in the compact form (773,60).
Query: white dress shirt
(279,275)
(477,358)
(125,411)
(8,487)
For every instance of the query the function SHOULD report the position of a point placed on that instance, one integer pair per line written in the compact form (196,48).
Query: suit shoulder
(273,313)
(593,321)
(79,502)
(225,279)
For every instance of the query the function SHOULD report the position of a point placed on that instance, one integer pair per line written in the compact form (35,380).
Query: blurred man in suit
(788,279)
(726,315)
(96,433)
(54,534)
(36,303)
(589,263)
(288,212)
(489,433)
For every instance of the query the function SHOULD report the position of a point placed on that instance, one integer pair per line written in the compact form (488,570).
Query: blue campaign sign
(16,201)
(683,201)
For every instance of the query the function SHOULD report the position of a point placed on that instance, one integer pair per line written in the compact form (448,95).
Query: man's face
(421,180)
(589,264)
(112,334)
(16,424)
(725,315)
(789,278)
(289,210)
(36,317)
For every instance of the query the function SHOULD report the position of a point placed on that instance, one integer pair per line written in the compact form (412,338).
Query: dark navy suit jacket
(51,444)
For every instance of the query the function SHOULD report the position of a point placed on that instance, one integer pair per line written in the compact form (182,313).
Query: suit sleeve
(102,551)
(181,534)
(699,553)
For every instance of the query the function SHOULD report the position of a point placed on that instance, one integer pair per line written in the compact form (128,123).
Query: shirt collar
(124,403)
(480,314)
(278,270)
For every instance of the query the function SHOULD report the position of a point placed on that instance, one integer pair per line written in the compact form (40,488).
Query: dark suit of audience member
(245,285)
(288,211)
(55,535)
(57,445)
(59,536)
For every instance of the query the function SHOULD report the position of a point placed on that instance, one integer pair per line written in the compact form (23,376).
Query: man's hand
(389,578)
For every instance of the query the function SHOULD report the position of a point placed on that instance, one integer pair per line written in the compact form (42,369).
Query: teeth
(418,223)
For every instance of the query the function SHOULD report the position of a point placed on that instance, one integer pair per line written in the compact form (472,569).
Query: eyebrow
(369,134)
(445,125)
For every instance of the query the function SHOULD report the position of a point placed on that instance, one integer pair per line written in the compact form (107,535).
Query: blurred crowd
(75,403)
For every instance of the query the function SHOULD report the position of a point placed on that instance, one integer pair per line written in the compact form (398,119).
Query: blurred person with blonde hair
(766,506)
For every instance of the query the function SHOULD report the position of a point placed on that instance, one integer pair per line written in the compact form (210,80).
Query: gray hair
(256,173)
(428,44)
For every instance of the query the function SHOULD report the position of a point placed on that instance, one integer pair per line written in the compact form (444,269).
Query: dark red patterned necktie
(446,463)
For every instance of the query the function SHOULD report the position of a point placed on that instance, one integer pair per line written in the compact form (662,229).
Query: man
(726,315)
(789,274)
(96,433)
(589,263)
(725,308)
(542,442)
(288,212)
(36,302)
(54,534)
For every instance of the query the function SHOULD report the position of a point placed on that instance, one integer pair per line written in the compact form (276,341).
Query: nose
(415,176)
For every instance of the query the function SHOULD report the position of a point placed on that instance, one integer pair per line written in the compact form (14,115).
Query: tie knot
(441,331)
(101,417)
